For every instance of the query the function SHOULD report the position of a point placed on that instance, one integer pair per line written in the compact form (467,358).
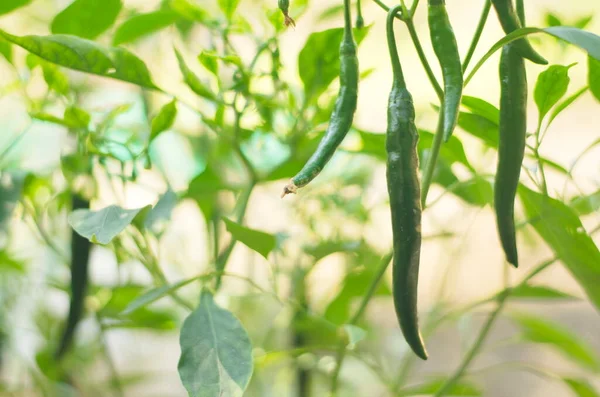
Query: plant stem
(432,159)
(341,353)
(115,382)
(476,346)
(482,20)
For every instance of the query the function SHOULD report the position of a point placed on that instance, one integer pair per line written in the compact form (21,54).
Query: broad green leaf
(142,25)
(102,226)
(594,76)
(553,20)
(355,334)
(528,291)
(562,230)
(86,18)
(189,10)
(581,387)
(7,6)
(475,191)
(551,85)
(77,117)
(210,62)
(480,127)
(328,247)
(460,388)
(155,294)
(228,7)
(583,22)
(164,119)
(216,352)
(565,104)
(75,165)
(539,330)
(587,41)
(482,108)
(86,56)
(6,50)
(193,81)
(319,60)
(259,241)
(9,263)
(586,204)
(55,79)
(161,212)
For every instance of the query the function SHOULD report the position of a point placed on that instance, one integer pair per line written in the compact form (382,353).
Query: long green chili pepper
(284,6)
(521,12)
(405,197)
(446,50)
(510,22)
(360,22)
(343,112)
(80,254)
(511,148)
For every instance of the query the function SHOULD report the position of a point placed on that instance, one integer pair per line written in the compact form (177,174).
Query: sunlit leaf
(319,60)
(103,225)
(154,294)
(551,85)
(539,330)
(586,204)
(562,230)
(355,334)
(594,76)
(7,6)
(482,108)
(77,117)
(480,127)
(164,119)
(192,80)
(257,240)
(228,7)
(527,291)
(216,352)
(161,212)
(86,18)
(142,25)
(581,387)
(460,388)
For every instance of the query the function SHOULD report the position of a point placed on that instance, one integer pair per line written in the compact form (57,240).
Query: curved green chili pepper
(511,148)
(284,6)
(80,254)
(405,197)
(343,112)
(446,50)
(510,22)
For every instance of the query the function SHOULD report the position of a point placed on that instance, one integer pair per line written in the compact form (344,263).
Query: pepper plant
(151,199)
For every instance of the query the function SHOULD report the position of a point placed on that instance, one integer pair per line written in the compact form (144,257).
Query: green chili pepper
(80,254)
(343,112)
(405,197)
(521,12)
(511,148)
(510,22)
(446,50)
(284,6)
(360,22)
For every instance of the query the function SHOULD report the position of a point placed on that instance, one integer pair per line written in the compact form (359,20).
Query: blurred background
(335,228)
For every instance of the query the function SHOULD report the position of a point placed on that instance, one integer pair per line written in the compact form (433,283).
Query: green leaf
(210,62)
(565,104)
(193,81)
(11,189)
(77,117)
(164,119)
(551,85)
(587,41)
(102,226)
(528,291)
(216,352)
(228,7)
(259,241)
(86,56)
(553,20)
(480,127)
(161,212)
(7,6)
(155,294)
(86,18)
(594,76)
(319,60)
(562,230)
(581,387)
(190,11)
(482,108)
(6,50)
(586,204)
(142,25)
(460,388)
(9,263)
(355,334)
(539,330)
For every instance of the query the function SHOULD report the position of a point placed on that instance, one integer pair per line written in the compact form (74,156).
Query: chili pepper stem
(289,188)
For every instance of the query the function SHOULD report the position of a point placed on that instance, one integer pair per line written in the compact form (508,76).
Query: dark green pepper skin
(405,198)
(510,22)
(80,255)
(343,112)
(446,51)
(511,147)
